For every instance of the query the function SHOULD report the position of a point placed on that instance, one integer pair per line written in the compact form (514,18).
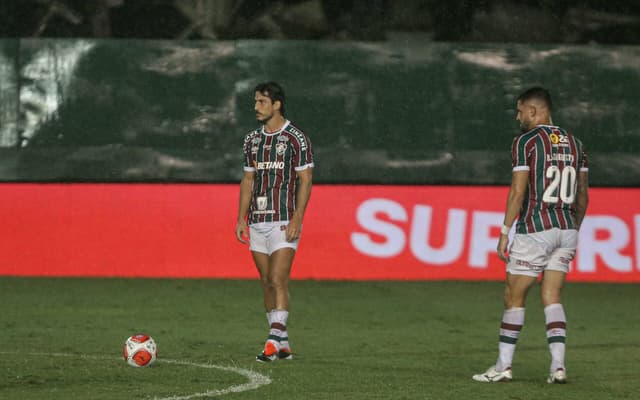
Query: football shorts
(267,237)
(532,253)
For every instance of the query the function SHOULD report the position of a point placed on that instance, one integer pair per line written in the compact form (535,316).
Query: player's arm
(303,195)
(246,186)
(582,197)
(519,181)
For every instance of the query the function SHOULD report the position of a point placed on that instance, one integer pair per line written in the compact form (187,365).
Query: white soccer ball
(140,350)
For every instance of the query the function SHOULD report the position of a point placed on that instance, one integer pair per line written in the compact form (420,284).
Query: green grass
(62,339)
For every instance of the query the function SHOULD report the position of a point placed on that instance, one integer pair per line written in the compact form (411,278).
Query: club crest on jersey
(281,148)
(283,138)
(256,140)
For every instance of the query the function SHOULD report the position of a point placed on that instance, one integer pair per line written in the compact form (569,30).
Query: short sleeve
(246,150)
(519,158)
(304,154)
(583,161)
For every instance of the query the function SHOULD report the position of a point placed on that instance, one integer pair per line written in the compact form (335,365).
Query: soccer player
(274,193)
(549,197)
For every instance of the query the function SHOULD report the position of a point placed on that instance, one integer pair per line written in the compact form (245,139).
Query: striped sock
(556,334)
(512,322)
(278,331)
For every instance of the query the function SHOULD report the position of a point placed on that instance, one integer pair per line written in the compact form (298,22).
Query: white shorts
(267,237)
(532,253)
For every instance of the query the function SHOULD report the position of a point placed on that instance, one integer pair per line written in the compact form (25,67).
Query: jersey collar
(286,123)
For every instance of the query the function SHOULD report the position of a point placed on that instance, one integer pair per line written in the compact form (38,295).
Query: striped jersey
(554,158)
(275,157)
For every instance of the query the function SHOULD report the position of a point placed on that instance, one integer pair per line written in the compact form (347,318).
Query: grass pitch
(62,339)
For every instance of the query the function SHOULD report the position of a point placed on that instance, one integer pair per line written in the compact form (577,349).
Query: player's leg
(515,292)
(258,245)
(527,257)
(556,324)
(555,318)
(275,277)
(551,288)
(281,262)
(516,288)
(522,273)
(260,252)
(551,293)
(270,350)
(261,261)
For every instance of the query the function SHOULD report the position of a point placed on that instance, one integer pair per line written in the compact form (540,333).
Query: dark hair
(273,91)
(537,93)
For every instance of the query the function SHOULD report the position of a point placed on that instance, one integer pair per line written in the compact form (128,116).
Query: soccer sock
(556,334)
(512,322)
(278,330)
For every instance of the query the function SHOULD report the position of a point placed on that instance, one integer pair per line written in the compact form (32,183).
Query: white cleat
(491,375)
(560,376)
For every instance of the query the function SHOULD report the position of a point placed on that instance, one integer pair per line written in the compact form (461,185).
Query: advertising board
(350,232)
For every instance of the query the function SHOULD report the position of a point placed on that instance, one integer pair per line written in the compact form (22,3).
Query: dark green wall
(404,111)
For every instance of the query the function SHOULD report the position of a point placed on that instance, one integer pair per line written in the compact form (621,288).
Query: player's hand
(502,248)
(242,232)
(294,228)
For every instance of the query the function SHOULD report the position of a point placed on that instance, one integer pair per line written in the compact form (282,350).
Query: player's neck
(274,124)
(543,121)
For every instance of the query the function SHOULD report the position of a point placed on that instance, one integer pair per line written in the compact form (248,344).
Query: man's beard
(264,119)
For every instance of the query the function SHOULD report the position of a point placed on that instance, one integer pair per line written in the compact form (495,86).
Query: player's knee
(265,280)
(508,299)
(278,282)
(512,300)
(550,297)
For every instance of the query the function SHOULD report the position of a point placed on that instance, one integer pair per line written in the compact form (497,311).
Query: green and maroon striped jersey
(554,158)
(275,157)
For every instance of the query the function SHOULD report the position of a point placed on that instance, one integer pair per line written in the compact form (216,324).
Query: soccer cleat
(491,375)
(269,353)
(557,377)
(285,354)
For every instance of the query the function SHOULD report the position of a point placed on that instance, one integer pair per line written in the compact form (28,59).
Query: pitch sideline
(255,379)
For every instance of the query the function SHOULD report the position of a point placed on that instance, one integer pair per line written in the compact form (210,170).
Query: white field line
(255,379)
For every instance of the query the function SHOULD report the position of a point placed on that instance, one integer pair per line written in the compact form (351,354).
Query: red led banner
(350,232)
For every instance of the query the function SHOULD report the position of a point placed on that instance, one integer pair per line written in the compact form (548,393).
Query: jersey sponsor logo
(269,165)
(559,139)
(301,138)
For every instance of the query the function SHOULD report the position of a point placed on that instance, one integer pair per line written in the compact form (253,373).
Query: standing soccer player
(274,193)
(549,197)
